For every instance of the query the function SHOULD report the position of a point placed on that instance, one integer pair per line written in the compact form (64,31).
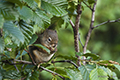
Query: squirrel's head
(49,39)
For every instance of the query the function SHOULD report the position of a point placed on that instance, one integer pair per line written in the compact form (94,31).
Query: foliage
(20,19)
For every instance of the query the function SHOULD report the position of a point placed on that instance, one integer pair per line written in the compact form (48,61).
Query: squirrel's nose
(54,45)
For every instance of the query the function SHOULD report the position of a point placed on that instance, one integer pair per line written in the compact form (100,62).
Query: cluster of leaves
(19,19)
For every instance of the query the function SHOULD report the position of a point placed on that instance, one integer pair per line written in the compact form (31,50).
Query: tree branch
(87,5)
(30,63)
(90,29)
(69,61)
(76,30)
(112,21)
(52,72)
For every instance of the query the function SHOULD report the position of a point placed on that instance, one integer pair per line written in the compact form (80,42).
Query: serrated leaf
(12,74)
(26,13)
(98,74)
(31,3)
(60,3)
(6,9)
(41,19)
(117,66)
(2,45)
(74,74)
(27,31)
(14,31)
(1,20)
(95,57)
(43,16)
(34,38)
(38,21)
(85,71)
(42,47)
(109,72)
(53,9)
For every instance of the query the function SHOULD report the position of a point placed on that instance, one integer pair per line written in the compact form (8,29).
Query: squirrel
(49,39)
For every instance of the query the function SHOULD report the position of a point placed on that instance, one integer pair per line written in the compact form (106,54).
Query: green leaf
(95,57)
(114,76)
(27,31)
(54,78)
(61,3)
(74,74)
(91,1)
(41,19)
(53,9)
(68,57)
(8,12)
(43,47)
(60,70)
(2,45)
(111,74)
(85,71)
(117,66)
(1,76)
(38,2)
(43,16)
(26,13)
(35,75)
(14,31)
(38,21)
(11,74)
(16,1)
(31,3)
(98,74)
(34,38)
(78,53)
(58,21)
(1,21)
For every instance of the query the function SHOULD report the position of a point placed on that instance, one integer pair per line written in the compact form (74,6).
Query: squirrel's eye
(49,39)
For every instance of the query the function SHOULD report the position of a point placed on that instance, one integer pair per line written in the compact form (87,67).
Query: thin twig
(52,72)
(15,66)
(80,41)
(72,24)
(90,29)
(23,62)
(69,61)
(112,21)
(30,56)
(87,5)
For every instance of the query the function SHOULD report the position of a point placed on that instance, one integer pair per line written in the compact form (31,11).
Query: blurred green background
(105,39)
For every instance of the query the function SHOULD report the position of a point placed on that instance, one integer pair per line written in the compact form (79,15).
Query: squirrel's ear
(52,26)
